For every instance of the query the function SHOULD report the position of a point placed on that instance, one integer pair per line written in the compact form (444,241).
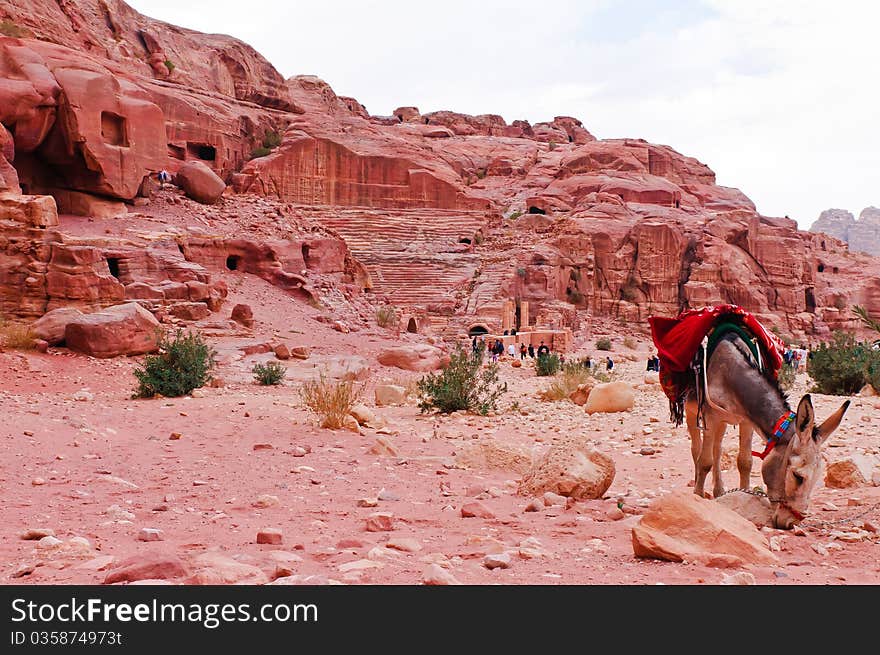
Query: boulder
(214,569)
(200,183)
(243,314)
(419,357)
(126,329)
(756,509)
(50,326)
(580,395)
(571,469)
(389,394)
(682,527)
(854,471)
(610,397)
(152,565)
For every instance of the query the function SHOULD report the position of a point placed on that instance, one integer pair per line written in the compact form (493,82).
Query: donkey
(740,394)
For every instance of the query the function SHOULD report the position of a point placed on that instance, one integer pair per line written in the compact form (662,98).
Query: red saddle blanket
(677,340)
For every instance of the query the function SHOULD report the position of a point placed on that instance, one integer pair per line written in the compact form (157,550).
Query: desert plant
(271,139)
(8,28)
(552,145)
(547,364)
(183,363)
(842,367)
(478,238)
(481,173)
(16,336)
(169,65)
(521,272)
(463,384)
(575,297)
(332,400)
(866,320)
(515,215)
(570,377)
(386,316)
(270,373)
(260,151)
(630,343)
(603,344)
(787,376)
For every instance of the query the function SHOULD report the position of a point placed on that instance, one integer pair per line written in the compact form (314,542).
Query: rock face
(618,227)
(683,527)
(862,235)
(570,469)
(418,357)
(126,329)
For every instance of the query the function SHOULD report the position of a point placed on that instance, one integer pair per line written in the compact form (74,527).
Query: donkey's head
(792,470)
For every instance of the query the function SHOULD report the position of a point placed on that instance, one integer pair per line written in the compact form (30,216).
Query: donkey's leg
(690,413)
(717,436)
(744,458)
(713,432)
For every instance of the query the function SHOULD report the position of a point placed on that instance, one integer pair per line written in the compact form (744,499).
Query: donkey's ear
(806,417)
(831,423)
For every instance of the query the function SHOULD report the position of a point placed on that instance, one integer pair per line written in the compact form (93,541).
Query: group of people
(797,358)
(496,349)
(653,363)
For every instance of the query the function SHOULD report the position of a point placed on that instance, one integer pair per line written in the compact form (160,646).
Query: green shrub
(8,28)
(386,316)
(547,364)
(843,366)
(787,376)
(515,215)
(630,343)
(169,65)
(575,297)
(464,384)
(481,173)
(603,344)
(331,400)
(270,373)
(521,272)
(261,151)
(271,139)
(182,364)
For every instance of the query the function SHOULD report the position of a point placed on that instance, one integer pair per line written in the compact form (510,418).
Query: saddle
(683,343)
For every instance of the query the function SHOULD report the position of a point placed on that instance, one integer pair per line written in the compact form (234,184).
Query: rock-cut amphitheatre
(292,219)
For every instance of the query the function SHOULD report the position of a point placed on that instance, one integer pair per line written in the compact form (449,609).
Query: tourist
(609,363)
(587,362)
(543,349)
(511,350)
(163,177)
(522,351)
(531,351)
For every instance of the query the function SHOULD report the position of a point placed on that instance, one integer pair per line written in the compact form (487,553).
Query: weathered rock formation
(862,235)
(446,215)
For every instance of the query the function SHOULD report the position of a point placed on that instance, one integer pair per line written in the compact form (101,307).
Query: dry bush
(630,343)
(16,336)
(331,400)
(386,316)
(566,382)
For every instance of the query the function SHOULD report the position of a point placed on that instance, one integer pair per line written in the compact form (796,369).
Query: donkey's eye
(798,478)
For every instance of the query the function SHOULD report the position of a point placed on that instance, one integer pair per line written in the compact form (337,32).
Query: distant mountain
(862,235)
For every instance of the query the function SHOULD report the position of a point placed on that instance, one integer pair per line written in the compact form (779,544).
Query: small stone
(534,505)
(48,542)
(175,436)
(265,500)
(647,450)
(368,502)
(35,534)
(263,446)
(38,482)
(387,496)
(553,499)
(271,536)
(437,575)
(497,561)
(739,578)
(476,510)
(404,544)
(199,483)
(299,451)
(150,534)
(379,522)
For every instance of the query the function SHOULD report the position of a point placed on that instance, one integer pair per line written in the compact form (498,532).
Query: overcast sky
(781,99)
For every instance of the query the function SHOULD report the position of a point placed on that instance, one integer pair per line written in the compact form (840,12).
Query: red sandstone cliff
(451,214)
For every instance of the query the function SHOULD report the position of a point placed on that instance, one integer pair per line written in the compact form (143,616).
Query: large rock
(610,397)
(152,565)
(50,327)
(682,527)
(571,469)
(389,394)
(419,357)
(200,183)
(491,454)
(213,568)
(126,329)
(854,471)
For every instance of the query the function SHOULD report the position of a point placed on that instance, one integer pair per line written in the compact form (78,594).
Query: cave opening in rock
(464,240)
(810,299)
(306,253)
(203,151)
(536,210)
(820,268)
(412,326)
(477,330)
(113,129)
(113,265)
(232,262)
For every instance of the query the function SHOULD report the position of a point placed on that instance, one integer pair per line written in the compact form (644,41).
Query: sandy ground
(103,467)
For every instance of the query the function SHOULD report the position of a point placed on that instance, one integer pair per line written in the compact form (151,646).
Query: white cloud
(780,99)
